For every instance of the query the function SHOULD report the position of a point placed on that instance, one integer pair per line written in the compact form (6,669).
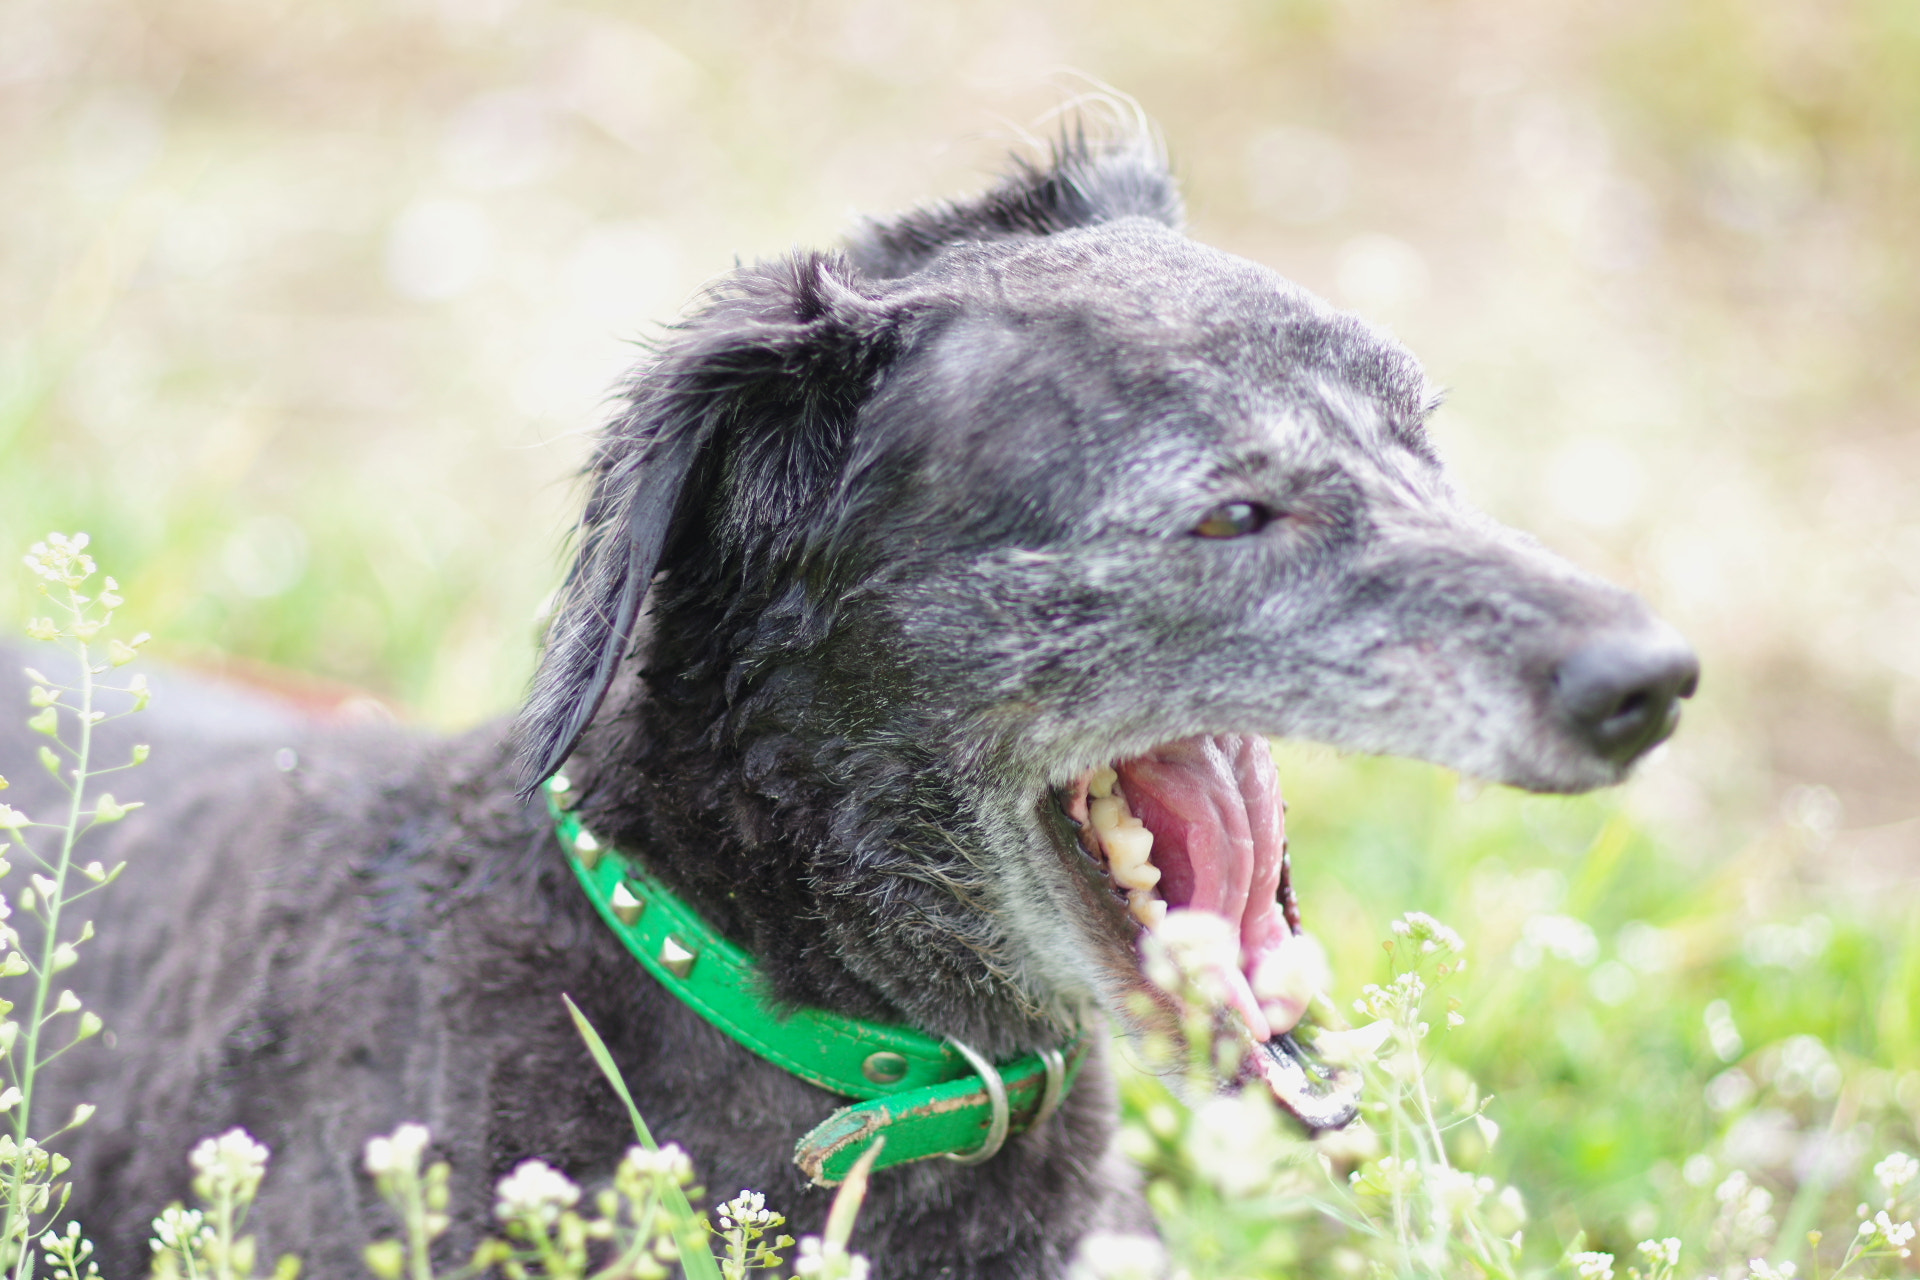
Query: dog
(910,574)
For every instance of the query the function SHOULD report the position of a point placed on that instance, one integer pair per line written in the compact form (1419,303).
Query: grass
(1644,1028)
(1630,1056)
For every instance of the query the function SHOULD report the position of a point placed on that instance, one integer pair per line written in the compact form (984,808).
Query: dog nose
(1620,692)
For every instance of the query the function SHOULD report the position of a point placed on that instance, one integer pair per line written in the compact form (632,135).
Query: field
(311,309)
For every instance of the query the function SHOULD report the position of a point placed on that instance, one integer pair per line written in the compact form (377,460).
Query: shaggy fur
(887,547)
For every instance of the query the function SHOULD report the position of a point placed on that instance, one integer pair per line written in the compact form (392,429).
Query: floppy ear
(1086,181)
(769,373)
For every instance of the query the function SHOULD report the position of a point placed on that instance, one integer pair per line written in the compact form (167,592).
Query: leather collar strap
(928,1097)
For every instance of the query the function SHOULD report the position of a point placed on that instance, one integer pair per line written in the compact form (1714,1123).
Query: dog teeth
(1128,849)
(1146,908)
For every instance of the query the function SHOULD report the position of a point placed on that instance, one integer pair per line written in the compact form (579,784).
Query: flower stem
(17,1210)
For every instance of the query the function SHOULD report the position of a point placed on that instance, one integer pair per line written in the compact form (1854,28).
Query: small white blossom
(816,1260)
(1593,1266)
(398,1152)
(1763,1270)
(669,1162)
(1192,950)
(534,1190)
(1455,1192)
(748,1209)
(1233,1138)
(1897,1234)
(1428,934)
(1661,1253)
(1896,1171)
(178,1228)
(233,1159)
(1107,1256)
(1401,996)
(1560,936)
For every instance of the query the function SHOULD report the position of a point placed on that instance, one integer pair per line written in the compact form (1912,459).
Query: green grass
(1603,1061)
(1644,1021)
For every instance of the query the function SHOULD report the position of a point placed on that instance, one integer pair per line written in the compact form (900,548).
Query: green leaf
(47,722)
(42,697)
(49,761)
(846,1201)
(689,1230)
(140,753)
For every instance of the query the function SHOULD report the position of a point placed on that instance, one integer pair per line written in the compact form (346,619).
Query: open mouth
(1198,824)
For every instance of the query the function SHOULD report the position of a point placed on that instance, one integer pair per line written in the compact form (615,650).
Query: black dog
(900,565)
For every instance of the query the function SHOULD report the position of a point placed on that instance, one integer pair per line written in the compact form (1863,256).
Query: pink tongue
(1219,837)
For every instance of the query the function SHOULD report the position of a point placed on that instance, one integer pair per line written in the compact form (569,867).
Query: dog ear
(764,381)
(1086,181)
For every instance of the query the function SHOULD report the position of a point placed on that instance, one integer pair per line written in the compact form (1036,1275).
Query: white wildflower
(669,1162)
(1106,1256)
(177,1228)
(1661,1253)
(1896,1171)
(1234,1138)
(1455,1192)
(534,1190)
(1763,1270)
(1193,949)
(232,1160)
(1401,996)
(1563,937)
(1593,1266)
(748,1209)
(1897,1234)
(398,1152)
(1428,934)
(816,1259)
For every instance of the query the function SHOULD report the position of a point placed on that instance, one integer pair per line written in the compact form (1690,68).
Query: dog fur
(886,547)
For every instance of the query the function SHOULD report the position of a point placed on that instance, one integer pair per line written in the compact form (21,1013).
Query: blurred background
(307,308)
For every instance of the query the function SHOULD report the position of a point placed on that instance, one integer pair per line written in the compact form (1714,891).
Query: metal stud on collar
(997,1094)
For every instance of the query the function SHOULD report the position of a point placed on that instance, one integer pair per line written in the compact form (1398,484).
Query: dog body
(888,554)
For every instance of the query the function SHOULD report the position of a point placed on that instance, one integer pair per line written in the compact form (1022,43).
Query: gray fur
(885,548)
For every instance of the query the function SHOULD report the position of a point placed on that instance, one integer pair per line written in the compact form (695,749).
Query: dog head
(1030,514)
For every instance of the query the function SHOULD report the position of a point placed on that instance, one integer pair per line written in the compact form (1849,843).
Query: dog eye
(1233,520)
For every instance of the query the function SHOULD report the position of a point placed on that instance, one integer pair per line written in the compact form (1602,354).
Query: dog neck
(844,870)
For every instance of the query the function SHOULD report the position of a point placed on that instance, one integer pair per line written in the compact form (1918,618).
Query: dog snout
(1619,692)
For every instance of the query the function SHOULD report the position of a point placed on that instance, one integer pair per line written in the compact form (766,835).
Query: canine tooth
(1147,909)
(1140,876)
(1106,814)
(1100,785)
(1127,847)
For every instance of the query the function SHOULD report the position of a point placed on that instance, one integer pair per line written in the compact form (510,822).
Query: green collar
(929,1097)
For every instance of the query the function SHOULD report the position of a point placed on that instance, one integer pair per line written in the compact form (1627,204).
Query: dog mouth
(1198,824)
